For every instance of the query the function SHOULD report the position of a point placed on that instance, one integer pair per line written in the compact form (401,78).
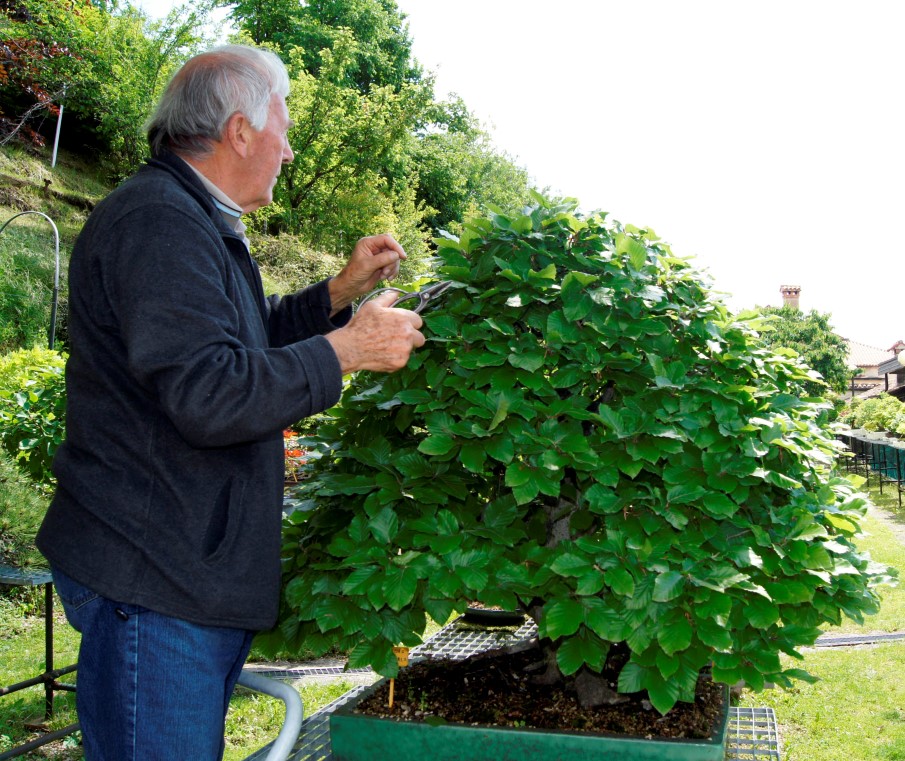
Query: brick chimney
(790,295)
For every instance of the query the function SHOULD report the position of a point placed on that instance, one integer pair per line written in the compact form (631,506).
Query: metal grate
(856,639)
(752,734)
(752,731)
(459,640)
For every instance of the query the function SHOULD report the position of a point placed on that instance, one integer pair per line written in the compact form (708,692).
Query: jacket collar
(176,166)
(182,172)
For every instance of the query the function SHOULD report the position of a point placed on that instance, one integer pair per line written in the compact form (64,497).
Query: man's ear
(237,133)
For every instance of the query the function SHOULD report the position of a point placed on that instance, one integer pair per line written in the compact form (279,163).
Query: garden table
(19,577)
(752,731)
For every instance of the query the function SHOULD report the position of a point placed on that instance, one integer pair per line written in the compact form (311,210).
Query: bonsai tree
(589,436)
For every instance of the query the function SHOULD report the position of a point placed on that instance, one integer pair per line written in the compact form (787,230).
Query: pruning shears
(423,297)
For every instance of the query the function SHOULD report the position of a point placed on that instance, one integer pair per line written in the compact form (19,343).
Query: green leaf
(384,525)
(472,456)
(517,474)
(436,444)
(414,396)
(761,613)
(719,577)
(719,505)
(359,580)
(620,581)
(500,448)
(714,635)
(562,618)
(530,361)
(636,250)
(399,587)
(502,411)
(583,649)
(526,492)
(568,564)
(663,693)
(500,514)
(590,584)
(570,655)
(547,273)
(685,492)
(576,283)
(473,578)
(668,586)
(603,499)
(605,622)
(675,634)
(438,610)
(667,665)
(632,678)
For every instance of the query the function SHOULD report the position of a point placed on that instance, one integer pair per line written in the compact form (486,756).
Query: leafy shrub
(876,413)
(590,436)
(32,408)
(22,509)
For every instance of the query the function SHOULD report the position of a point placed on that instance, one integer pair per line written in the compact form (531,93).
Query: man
(164,533)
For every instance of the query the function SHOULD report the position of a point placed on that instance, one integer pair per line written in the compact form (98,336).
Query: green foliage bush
(33,408)
(590,436)
(22,508)
(878,413)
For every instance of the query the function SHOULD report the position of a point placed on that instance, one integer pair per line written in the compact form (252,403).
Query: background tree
(106,66)
(459,170)
(381,49)
(812,337)
(339,187)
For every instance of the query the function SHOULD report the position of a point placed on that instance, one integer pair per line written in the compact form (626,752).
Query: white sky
(764,138)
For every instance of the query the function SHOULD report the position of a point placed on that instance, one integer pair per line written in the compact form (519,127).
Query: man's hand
(377,337)
(373,259)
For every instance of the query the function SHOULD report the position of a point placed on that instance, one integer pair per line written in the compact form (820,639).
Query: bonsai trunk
(592,689)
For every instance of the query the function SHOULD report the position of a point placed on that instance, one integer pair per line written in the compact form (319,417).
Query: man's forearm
(341,294)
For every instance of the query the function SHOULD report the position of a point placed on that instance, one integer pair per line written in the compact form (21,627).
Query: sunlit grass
(855,712)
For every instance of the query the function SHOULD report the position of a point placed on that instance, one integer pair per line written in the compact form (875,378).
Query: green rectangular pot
(356,737)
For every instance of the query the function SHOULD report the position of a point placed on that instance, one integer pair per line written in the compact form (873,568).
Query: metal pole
(56,140)
(59,734)
(292,723)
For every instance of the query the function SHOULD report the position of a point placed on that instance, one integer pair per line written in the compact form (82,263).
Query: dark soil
(495,689)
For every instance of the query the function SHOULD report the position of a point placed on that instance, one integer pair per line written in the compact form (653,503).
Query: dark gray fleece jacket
(181,379)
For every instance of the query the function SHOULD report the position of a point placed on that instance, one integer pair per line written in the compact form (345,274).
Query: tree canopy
(382,51)
(375,150)
(812,337)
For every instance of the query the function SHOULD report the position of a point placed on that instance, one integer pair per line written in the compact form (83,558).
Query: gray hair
(208,90)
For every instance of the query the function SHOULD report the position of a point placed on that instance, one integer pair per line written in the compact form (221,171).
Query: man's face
(269,150)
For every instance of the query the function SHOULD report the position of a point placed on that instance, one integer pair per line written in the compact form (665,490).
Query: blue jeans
(150,687)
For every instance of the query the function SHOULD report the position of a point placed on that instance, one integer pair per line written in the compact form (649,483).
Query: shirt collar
(228,208)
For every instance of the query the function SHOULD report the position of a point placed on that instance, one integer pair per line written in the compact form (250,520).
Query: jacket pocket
(225,522)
